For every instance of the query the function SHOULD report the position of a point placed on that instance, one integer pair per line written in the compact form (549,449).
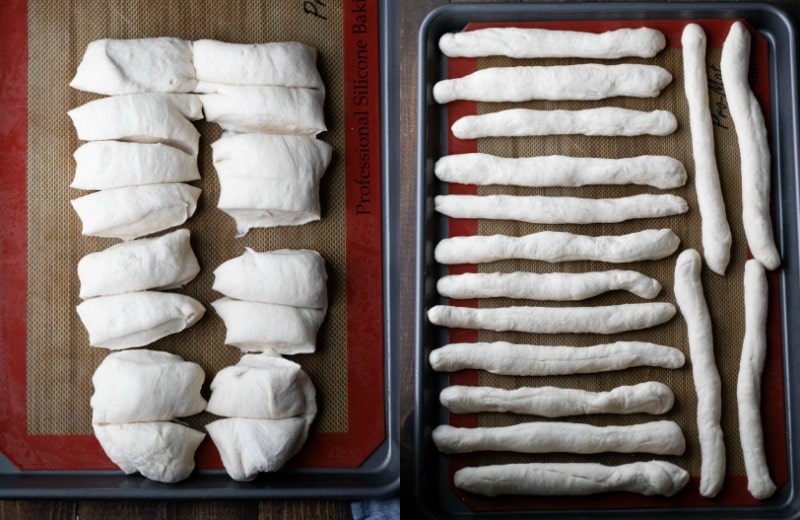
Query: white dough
(655,477)
(517,42)
(285,276)
(748,388)
(554,246)
(114,164)
(548,401)
(285,64)
(536,360)
(141,118)
(114,67)
(659,437)
(163,262)
(546,286)
(692,303)
(751,131)
(604,121)
(250,446)
(558,170)
(256,326)
(587,81)
(145,385)
(136,319)
(282,388)
(715,229)
(135,211)
(266,109)
(160,451)
(560,210)
(610,319)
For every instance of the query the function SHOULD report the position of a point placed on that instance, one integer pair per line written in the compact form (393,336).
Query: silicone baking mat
(724,294)
(46,363)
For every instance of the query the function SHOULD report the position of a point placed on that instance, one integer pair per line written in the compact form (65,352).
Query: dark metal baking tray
(432,494)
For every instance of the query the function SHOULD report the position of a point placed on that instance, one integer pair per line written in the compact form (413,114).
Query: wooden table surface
(410,16)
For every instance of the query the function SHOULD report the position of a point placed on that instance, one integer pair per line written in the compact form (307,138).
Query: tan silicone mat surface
(60,362)
(723,294)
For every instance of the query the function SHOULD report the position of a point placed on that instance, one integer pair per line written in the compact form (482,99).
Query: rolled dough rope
(751,131)
(517,42)
(560,210)
(609,319)
(692,303)
(548,401)
(604,121)
(715,229)
(537,360)
(558,170)
(656,477)
(587,81)
(659,437)
(554,246)
(547,286)
(748,389)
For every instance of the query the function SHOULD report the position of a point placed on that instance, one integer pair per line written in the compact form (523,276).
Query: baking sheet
(46,362)
(436,141)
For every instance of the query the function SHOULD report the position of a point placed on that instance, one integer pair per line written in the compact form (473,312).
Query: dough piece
(145,385)
(655,477)
(554,246)
(160,451)
(114,164)
(135,211)
(587,81)
(517,42)
(560,210)
(284,390)
(546,286)
(141,118)
(748,389)
(558,170)
(659,437)
(256,326)
(164,262)
(604,121)
(548,401)
(250,446)
(715,229)
(266,109)
(610,319)
(114,67)
(137,319)
(285,64)
(535,360)
(692,303)
(751,131)
(285,276)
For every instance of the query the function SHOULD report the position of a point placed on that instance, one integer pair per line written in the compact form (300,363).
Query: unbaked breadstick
(692,302)
(659,437)
(517,42)
(715,229)
(609,319)
(546,286)
(748,389)
(549,401)
(554,246)
(560,210)
(483,169)
(537,360)
(604,121)
(586,81)
(655,477)
(751,131)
